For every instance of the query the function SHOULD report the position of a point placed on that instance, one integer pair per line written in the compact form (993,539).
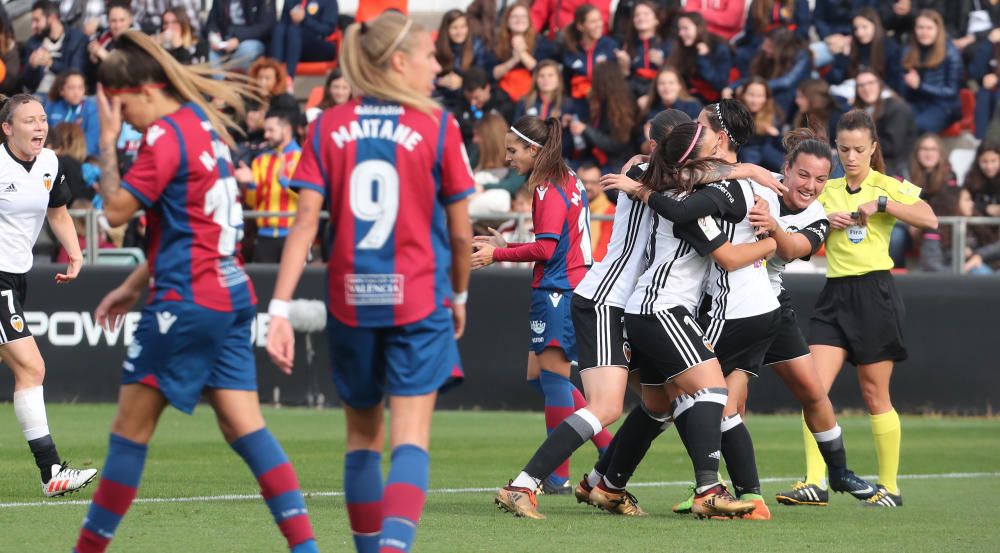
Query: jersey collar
(26,164)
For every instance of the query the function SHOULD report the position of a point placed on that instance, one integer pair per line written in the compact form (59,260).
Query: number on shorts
(9,294)
(223,204)
(375,199)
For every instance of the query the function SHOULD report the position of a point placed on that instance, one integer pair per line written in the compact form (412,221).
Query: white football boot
(66,480)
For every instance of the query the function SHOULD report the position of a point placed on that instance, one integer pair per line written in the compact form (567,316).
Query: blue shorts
(409,360)
(551,322)
(181,348)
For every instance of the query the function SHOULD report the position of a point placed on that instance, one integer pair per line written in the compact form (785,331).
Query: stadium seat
(315,68)
(968,121)
(370,9)
(315,97)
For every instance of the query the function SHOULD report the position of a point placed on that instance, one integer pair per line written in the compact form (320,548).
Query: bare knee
(29,373)
(606,412)
(876,398)
(364,428)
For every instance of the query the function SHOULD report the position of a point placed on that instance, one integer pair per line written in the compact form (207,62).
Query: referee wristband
(460,298)
(278,308)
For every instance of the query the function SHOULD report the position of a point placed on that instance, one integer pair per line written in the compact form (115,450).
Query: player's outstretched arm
(280,338)
(460,231)
(62,226)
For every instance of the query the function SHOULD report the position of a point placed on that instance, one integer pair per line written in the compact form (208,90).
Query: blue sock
(559,404)
(280,487)
(403,501)
(115,492)
(363,496)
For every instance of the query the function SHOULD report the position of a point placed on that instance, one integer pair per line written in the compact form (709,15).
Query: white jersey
(27,190)
(676,272)
(745,292)
(612,280)
(810,222)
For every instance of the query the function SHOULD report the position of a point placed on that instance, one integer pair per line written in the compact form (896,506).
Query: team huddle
(684,308)
(688,306)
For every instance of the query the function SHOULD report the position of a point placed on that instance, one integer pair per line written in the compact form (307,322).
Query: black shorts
(666,344)
(789,343)
(13,292)
(600,334)
(741,344)
(863,315)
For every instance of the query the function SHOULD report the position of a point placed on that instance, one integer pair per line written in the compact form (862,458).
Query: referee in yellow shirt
(859,314)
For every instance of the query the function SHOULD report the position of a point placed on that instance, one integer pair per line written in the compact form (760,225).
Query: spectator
(893,119)
(553,16)
(10,55)
(303,33)
(606,135)
(68,103)
(703,59)
(983,179)
(764,16)
(518,50)
(898,15)
(546,97)
(723,17)
(929,167)
(971,22)
(764,146)
(932,74)
(584,47)
(666,12)
(783,61)
(180,38)
(495,182)
(645,47)
(483,16)
(817,108)
(982,250)
(269,77)
(52,49)
(985,70)
(871,48)
(87,16)
(599,204)
(70,146)
(833,20)
(668,91)
(119,20)
(266,182)
(149,14)
(478,99)
(457,50)
(238,31)
(336,91)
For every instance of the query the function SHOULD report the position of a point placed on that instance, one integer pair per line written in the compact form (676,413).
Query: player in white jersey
(32,189)
(800,229)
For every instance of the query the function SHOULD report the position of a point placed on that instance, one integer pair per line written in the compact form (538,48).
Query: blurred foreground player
(392,168)
(194,335)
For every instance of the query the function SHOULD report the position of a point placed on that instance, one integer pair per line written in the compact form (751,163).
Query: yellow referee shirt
(858,250)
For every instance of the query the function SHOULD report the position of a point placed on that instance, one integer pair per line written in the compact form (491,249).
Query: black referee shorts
(863,315)
(13,292)
(600,334)
(741,344)
(789,343)
(665,345)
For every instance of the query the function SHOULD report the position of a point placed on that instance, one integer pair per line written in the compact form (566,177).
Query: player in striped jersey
(800,230)
(193,337)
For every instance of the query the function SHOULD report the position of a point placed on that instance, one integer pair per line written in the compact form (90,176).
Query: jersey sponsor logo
(381,129)
(819,230)
(538,327)
(47,181)
(708,227)
(722,187)
(856,234)
(542,189)
(165,320)
(17,323)
(378,110)
(153,134)
(8,187)
(384,289)
(555,298)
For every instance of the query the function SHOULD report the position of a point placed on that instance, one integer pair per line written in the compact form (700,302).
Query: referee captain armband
(278,308)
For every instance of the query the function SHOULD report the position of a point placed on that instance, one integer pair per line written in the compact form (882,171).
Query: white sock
(594,478)
(525,480)
(29,408)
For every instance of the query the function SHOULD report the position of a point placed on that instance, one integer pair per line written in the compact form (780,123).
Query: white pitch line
(256,497)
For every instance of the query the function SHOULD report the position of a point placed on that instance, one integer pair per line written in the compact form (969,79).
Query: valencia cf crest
(47,181)
(627,350)
(17,323)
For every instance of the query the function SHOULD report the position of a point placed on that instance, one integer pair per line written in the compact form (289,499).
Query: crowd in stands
(924,69)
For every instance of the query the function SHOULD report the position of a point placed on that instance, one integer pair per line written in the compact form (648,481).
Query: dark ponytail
(806,141)
(674,156)
(547,135)
(859,119)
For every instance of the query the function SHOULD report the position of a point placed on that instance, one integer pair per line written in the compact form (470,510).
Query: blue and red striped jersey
(560,212)
(387,172)
(183,177)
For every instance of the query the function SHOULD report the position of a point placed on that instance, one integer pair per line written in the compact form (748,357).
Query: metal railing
(959,226)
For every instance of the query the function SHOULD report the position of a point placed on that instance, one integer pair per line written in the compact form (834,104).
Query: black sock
(604,461)
(635,435)
(44,450)
(704,435)
(737,448)
(833,451)
(566,438)
(681,405)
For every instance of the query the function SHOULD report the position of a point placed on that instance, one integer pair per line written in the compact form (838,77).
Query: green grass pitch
(954,509)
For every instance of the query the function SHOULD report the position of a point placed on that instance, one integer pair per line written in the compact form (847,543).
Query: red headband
(133,89)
